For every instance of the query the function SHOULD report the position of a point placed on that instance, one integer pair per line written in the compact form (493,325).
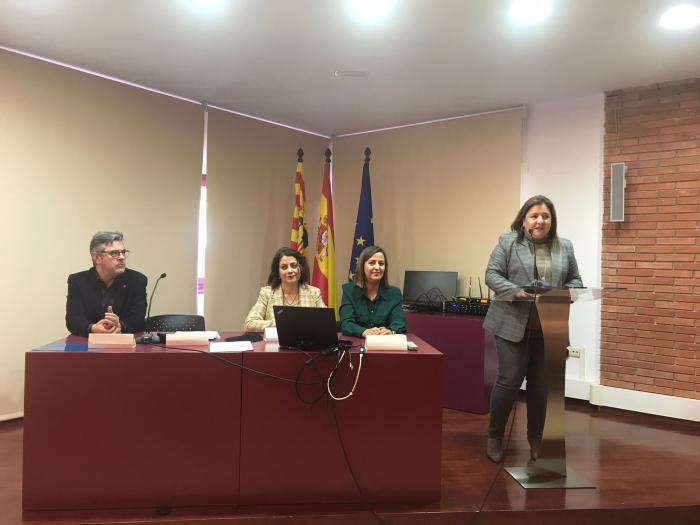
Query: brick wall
(650,338)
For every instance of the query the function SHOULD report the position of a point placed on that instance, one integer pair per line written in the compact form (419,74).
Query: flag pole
(364,228)
(299,237)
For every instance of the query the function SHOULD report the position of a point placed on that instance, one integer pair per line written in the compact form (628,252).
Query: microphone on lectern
(539,285)
(535,273)
(147,336)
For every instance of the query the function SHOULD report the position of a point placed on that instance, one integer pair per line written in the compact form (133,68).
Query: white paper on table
(231,346)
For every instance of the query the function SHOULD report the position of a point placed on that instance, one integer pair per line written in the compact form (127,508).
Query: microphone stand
(148,337)
(537,283)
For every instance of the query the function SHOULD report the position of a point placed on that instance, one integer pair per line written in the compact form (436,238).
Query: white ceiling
(431,59)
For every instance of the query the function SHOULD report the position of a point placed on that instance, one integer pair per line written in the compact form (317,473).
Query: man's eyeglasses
(116,253)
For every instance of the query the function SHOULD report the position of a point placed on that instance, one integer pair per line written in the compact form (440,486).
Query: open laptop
(303,328)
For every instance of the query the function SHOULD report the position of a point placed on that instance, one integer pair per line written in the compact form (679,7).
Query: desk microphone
(147,337)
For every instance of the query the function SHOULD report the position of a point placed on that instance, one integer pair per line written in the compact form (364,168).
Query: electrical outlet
(575,351)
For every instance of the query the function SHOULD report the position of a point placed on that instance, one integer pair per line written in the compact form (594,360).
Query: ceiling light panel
(371,12)
(528,12)
(680,17)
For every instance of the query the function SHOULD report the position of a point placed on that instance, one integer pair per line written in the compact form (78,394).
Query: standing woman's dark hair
(517,225)
(274,279)
(360,278)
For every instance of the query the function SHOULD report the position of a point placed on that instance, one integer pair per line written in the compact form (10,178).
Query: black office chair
(176,323)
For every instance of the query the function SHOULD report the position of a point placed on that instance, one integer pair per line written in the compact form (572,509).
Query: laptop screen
(305,328)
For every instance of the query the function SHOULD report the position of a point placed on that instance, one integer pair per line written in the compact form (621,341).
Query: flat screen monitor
(303,328)
(428,288)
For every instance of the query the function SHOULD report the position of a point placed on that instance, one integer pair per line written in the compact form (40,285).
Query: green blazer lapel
(383,293)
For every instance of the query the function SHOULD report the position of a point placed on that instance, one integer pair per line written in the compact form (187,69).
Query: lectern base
(537,478)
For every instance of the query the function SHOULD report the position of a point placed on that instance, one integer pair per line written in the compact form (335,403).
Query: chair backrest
(175,323)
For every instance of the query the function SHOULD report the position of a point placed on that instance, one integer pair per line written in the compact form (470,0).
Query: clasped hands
(109,325)
(522,294)
(377,330)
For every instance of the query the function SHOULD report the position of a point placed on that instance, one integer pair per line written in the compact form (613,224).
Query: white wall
(562,159)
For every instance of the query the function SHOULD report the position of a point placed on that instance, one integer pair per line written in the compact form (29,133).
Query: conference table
(153,426)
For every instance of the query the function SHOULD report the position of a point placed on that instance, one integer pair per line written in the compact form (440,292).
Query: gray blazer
(511,267)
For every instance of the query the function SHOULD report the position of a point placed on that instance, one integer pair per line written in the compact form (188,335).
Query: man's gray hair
(100,239)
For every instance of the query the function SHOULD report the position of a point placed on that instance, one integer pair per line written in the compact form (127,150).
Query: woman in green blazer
(370,306)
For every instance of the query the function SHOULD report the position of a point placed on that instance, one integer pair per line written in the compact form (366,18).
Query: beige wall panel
(442,193)
(250,202)
(80,154)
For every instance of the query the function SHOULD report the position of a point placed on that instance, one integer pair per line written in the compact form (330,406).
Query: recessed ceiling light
(529,11)
(206,6)
(679,17)
(370,11)
(208,3)
(349,73)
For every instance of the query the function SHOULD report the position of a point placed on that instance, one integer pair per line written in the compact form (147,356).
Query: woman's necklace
(288,299)
(372,294)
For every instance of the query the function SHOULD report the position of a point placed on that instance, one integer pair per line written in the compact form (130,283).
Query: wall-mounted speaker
(617,191)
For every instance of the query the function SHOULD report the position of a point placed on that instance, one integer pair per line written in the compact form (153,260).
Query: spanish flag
(300,239)
(324,265)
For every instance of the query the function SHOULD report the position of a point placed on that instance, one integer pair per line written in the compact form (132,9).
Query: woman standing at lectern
(286,285)
(514,321)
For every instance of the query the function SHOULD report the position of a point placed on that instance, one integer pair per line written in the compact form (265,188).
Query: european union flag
(364,227)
